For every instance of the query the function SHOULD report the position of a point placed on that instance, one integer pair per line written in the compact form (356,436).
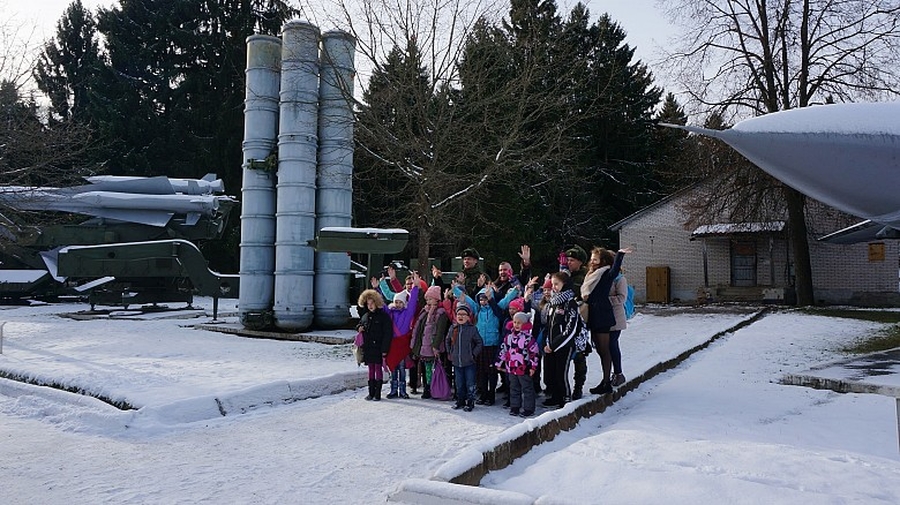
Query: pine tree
(675,151)
(67,67)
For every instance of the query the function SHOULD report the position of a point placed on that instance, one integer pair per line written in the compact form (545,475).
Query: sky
(642,20)
(646,27)
(718,428)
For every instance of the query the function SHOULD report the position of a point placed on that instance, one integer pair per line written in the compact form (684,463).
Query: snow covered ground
(295,429)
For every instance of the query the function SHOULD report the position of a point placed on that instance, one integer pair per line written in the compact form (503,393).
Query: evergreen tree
(170,98)
(616,98)
(67,67)
(579,85)
(675,149)
(173,90)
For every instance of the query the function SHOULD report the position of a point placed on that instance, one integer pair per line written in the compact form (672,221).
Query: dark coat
(377,334)
(471,284)
(561,324)
(600,310)
(468,344)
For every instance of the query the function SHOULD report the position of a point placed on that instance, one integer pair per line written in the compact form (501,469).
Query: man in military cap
(576,259)
(471,276)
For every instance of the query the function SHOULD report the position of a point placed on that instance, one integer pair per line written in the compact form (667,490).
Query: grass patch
(878,316)
(882,340)
(887,338)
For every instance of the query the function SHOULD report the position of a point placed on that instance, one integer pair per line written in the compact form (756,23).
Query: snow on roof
(732,228)
(368,231)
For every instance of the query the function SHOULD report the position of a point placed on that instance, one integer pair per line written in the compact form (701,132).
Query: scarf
(559,299)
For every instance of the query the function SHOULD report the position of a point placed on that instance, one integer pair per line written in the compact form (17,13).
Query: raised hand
(525,254)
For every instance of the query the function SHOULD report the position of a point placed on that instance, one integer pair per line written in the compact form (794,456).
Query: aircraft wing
(844,155)
(864,231)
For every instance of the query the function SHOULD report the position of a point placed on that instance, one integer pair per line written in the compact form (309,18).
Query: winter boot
(578,390)
(470,405)
(603,388)
(426,392)
(577,393)
(372,384)
(458,405)
(393,393)
(377,385)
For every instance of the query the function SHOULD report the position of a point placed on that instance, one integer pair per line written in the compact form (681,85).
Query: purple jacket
(403,318)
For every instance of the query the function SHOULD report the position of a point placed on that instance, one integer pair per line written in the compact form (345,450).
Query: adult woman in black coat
(375,325)
(602,271)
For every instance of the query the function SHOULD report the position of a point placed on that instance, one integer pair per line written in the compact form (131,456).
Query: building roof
(709,230)
(618,225)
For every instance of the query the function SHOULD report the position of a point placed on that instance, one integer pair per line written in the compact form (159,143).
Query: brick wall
(658,239)
(841,273)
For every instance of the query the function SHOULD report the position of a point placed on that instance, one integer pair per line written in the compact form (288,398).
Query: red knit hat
(518,304)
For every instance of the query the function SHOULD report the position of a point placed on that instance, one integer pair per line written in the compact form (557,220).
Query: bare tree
(750,58)
(438,144)
(32,153)
(17,51)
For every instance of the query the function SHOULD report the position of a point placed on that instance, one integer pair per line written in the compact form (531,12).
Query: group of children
(475,339)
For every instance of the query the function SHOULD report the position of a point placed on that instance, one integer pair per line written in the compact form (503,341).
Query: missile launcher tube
(296,188)
(257,262)
(335,171)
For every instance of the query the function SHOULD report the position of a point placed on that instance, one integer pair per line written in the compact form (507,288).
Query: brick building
(674,262)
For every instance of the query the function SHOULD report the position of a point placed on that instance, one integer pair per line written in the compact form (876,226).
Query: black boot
(603,388)
(470,405)
(577,393)
(377,385)
(426,392)
(371,390)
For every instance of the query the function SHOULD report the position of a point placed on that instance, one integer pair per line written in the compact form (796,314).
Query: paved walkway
(877,373)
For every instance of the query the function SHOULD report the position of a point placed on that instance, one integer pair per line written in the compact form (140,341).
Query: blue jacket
(488,317)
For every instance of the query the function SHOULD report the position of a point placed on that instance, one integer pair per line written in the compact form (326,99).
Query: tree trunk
(424,249)
(800,245)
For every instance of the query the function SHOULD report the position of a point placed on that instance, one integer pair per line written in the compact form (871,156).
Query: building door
(658,290)
(743,263)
